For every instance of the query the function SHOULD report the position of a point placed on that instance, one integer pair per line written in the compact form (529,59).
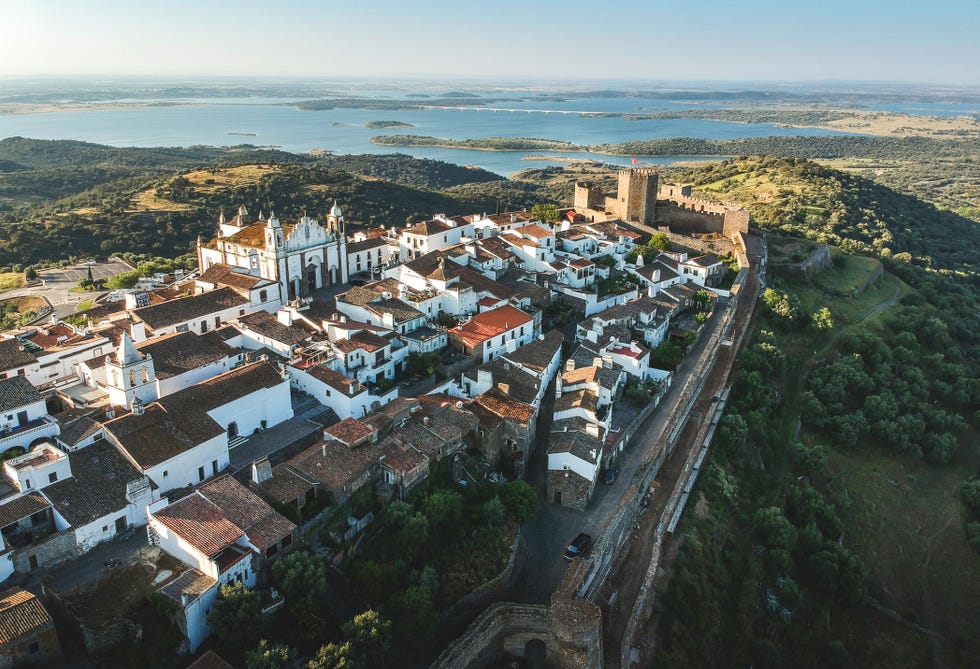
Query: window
(200,473)
(204,326)
(217,322)
(52,477)
(214,467)
(32,561)
(263,295)
(241,312)
(164,473)
(27,483)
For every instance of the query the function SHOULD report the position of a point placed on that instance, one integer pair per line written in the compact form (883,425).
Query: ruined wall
(680,211)
(48,553)
(496,588)
(804,271)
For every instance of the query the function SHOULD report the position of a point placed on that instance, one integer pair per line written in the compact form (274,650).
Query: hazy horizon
(759,41)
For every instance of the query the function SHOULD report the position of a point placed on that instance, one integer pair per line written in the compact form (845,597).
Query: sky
(932,41)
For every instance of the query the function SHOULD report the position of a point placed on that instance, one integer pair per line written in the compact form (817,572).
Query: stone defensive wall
(568,628)
(804,271)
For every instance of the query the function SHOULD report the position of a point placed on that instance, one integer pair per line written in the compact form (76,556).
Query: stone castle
(642,200)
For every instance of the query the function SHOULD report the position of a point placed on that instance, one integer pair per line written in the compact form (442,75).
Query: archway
(535,654)
(311,277)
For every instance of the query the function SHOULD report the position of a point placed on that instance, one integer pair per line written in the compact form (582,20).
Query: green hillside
(861,216)
(63,199)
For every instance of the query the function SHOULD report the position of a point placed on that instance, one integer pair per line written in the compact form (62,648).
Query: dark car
(611,475)
(580,546)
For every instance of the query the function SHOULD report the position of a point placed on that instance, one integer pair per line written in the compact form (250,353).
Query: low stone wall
(871,278)
(49,552)
(496,588)
(804,271)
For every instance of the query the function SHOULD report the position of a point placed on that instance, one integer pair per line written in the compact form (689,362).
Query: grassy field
(212,181)
(907,524)
(11,280)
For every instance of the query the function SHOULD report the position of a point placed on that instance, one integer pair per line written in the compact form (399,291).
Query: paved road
(57,283)
(551,530)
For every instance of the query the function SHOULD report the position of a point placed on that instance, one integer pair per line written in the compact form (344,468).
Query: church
(300,258)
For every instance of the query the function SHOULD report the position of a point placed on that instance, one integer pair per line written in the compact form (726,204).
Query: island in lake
(388,124)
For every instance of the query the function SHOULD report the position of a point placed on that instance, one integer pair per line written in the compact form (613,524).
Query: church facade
(301,258)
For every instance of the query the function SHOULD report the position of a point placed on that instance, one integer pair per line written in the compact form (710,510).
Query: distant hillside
(855,213)
(157,201)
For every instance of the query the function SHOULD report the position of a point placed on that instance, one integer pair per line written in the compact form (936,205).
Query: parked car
(579,547)
(611,475)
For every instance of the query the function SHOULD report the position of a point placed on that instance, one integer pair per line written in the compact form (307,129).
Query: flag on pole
(634,161)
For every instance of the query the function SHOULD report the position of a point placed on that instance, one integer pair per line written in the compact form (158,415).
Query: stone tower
(637,196)
(130,375)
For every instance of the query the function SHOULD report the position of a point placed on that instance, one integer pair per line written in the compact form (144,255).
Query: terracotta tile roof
(265,324)
(180,352)
(172,312)
(705,260)
(179,422)
(193,584)
(584,399)
(17,392)
(13,354)
(286,484)
(433,265)
(428,228)
(402,458)
(488,324)
(21,613)
(534,231)
(488,302)
(232,277)
(481,283)
(22,507)
(336,380)
(97,487)
(581,263)
(365,245)
(253,235)
(537,354)
(335,465)
(580,444)
(201,523)
(505,406)
(351,431)
(262,524)
(210,660)
(370,341)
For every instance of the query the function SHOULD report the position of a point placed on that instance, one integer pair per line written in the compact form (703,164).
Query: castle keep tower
(637,196)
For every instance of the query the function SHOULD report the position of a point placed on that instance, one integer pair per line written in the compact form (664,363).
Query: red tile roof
(350,431)
(21,613)
(201,523)
(490,324)
(262,524)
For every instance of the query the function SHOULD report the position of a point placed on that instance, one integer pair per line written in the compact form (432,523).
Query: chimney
(285,316)
(425,421)
(323,449)
(261,470)
(185,599)
(137,406)
(110,413)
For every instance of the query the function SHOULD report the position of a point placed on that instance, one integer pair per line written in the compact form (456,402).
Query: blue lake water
(224,122)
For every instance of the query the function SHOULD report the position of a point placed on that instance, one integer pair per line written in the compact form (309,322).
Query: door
(311,278)
(558,497)
(121,524)
(22,418)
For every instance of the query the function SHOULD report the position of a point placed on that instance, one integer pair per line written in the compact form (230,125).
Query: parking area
(55,284)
